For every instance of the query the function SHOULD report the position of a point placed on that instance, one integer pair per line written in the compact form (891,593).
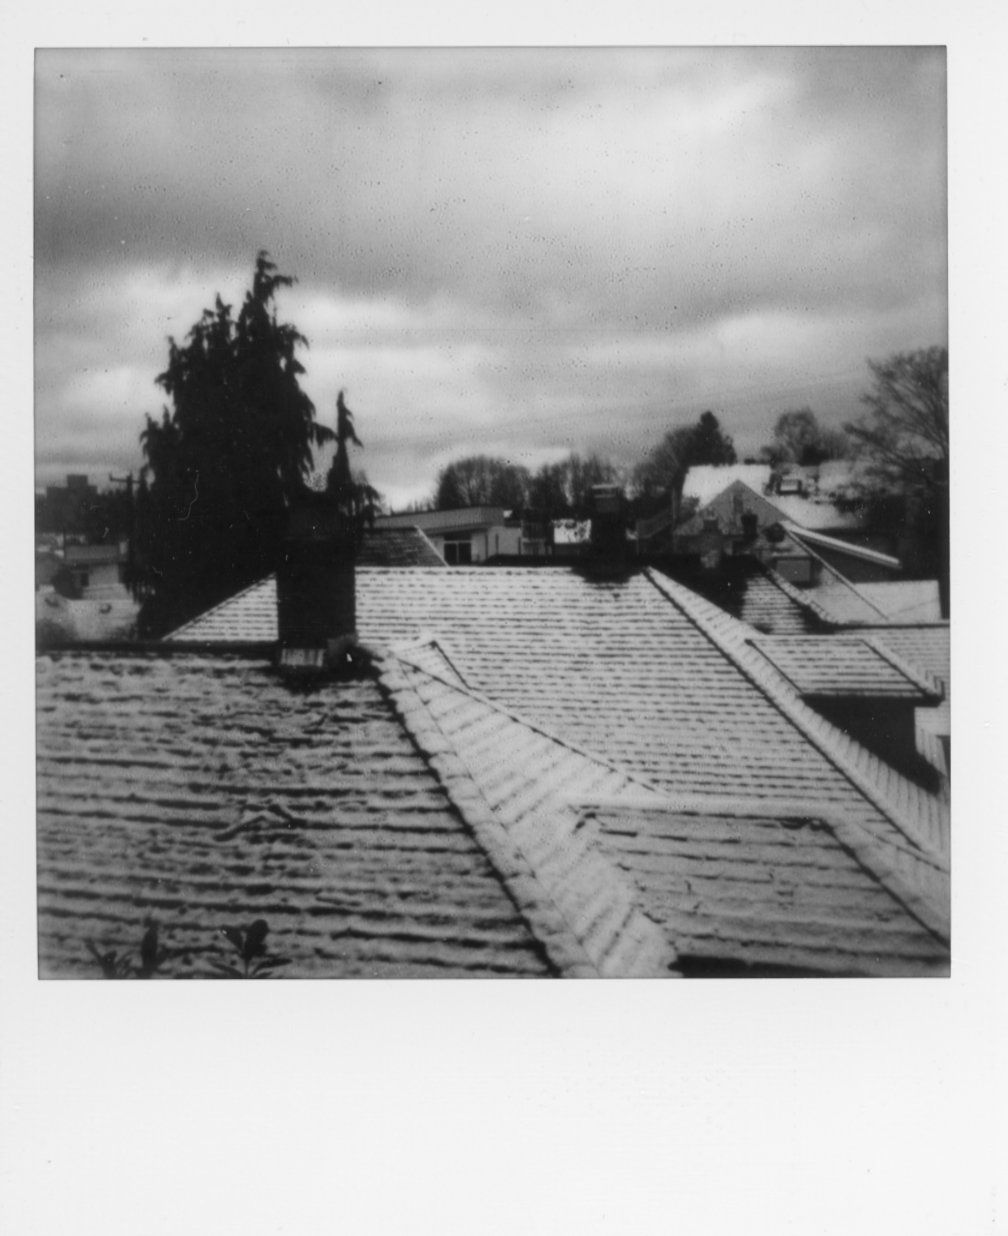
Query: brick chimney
(316,601)
(711,543)
(608,522)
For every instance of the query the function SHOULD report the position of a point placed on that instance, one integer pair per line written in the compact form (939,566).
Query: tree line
(234,449)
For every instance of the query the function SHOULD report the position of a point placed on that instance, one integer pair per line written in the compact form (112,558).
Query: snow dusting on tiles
(768,607)
(206,793)
(875,794)
(515,783)
(833,665)
(740,890)
(619,670)
(925,646)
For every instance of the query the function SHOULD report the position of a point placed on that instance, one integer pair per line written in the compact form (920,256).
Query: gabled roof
(641,672)
(728,507)
(650,883)
(705,481)
(709,483)
(208,793)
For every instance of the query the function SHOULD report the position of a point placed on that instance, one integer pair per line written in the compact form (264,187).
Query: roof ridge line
(799,598)
(550,924)
(427,639)
(538,728)
(794,531)
(925,910)
(889,877)
(533,902)
(791,710)
(922,678)
(229,600)
(919,678)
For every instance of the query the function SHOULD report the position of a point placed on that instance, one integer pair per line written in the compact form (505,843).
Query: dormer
(861,688)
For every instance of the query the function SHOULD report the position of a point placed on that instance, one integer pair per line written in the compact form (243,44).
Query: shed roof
(737,890)
(845,666)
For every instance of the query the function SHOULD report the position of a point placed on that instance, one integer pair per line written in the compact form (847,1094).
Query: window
(458,550)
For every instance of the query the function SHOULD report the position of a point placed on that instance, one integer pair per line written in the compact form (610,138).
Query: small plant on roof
(250,945)
(116,965)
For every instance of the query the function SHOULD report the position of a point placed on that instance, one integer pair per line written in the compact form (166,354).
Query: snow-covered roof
(625,668)
(845,666)
(209,794)
(705,481)
(446,521)
(905,600)
(436,818)
(728,886)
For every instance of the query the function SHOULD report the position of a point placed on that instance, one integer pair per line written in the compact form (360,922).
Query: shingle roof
(512,781)
(208,793)
(398,547)
(925,646)
(773,887)
(917,814)
(765,890)
(631,670)
(844,666)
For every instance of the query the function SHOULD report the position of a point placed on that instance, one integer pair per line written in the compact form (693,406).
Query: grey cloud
(514,206)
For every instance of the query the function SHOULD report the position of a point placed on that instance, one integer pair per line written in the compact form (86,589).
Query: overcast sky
(509,252)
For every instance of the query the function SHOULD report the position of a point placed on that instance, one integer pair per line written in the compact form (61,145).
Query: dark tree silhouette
(710,444)
(659,477)
(799,438)
(904,439)
(355,499)
(224,463)
(482,480)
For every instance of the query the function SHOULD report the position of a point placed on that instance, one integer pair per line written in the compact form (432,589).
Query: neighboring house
(704,482)
(67,620)
(96,571)
(571,539)
(462,537)
(803,496)
(738,520)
